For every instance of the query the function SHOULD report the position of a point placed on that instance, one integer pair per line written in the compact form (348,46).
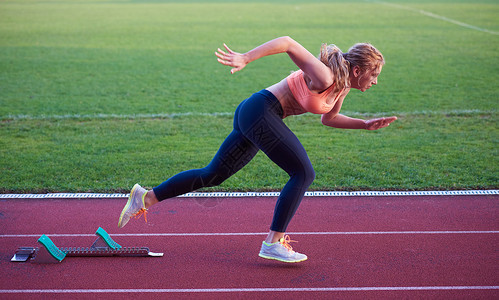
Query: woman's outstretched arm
(341,121)
(319,73)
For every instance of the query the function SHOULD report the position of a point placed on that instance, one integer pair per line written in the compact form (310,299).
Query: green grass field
(98,95)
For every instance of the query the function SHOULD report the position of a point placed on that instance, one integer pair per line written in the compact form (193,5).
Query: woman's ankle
(274,237)
(150,199)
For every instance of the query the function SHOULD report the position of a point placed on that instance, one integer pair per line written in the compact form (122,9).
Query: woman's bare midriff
(282,92)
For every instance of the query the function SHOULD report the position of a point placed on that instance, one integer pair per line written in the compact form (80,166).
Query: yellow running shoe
(281,251)
(135,206)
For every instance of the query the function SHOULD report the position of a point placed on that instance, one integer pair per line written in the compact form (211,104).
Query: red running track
(431,247)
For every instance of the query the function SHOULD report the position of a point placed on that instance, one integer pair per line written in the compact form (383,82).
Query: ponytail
(332,56)
(363,55)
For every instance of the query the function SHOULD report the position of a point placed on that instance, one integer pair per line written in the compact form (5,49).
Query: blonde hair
(363,55)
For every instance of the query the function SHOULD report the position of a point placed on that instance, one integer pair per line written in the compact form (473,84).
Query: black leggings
(257,125)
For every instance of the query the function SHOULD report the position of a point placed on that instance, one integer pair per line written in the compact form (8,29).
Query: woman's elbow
(325,120)
(328,119)
(287,39)
(288,42)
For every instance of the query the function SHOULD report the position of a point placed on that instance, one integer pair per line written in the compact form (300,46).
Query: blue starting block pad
(105,240)
(103,246)
(54,254)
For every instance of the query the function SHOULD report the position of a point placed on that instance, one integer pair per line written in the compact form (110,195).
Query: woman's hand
(231,59)
(375,124)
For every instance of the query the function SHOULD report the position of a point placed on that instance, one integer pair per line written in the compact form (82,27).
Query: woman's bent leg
(290,155)
(234,153)
(262,124)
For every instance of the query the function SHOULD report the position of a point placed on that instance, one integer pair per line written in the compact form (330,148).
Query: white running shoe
(135,206)
(281,251)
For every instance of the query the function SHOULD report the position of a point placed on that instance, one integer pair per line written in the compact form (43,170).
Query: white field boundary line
(114,116)
(216,234)
(259,194)
(249,290)
(435,16)
(20,117)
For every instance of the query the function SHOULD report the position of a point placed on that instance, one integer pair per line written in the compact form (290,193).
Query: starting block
(104,245)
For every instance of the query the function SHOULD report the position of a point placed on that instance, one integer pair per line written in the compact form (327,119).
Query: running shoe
(135,206)
(281,251)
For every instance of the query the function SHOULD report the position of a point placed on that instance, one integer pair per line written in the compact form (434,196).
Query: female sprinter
(319,87)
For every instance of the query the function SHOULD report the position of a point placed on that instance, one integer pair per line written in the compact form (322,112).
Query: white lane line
(114,116)
(240,290)
(259,194)
(435,16)
(253,233)
(19,117)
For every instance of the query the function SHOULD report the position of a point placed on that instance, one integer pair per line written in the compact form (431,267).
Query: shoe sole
(127,206)
(282,260)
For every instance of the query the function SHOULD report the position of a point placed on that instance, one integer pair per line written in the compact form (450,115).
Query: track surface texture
(429,247)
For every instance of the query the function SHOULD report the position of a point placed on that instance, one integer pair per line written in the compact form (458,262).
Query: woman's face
(364,80)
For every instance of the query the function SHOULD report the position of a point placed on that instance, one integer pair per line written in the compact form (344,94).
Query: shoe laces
(285,242)
(141,212)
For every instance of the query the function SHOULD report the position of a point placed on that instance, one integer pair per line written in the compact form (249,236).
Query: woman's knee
(216,173)
(309,175)
(305,175)
(211,178)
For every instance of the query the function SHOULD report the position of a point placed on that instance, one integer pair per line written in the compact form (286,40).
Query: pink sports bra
(308,101)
